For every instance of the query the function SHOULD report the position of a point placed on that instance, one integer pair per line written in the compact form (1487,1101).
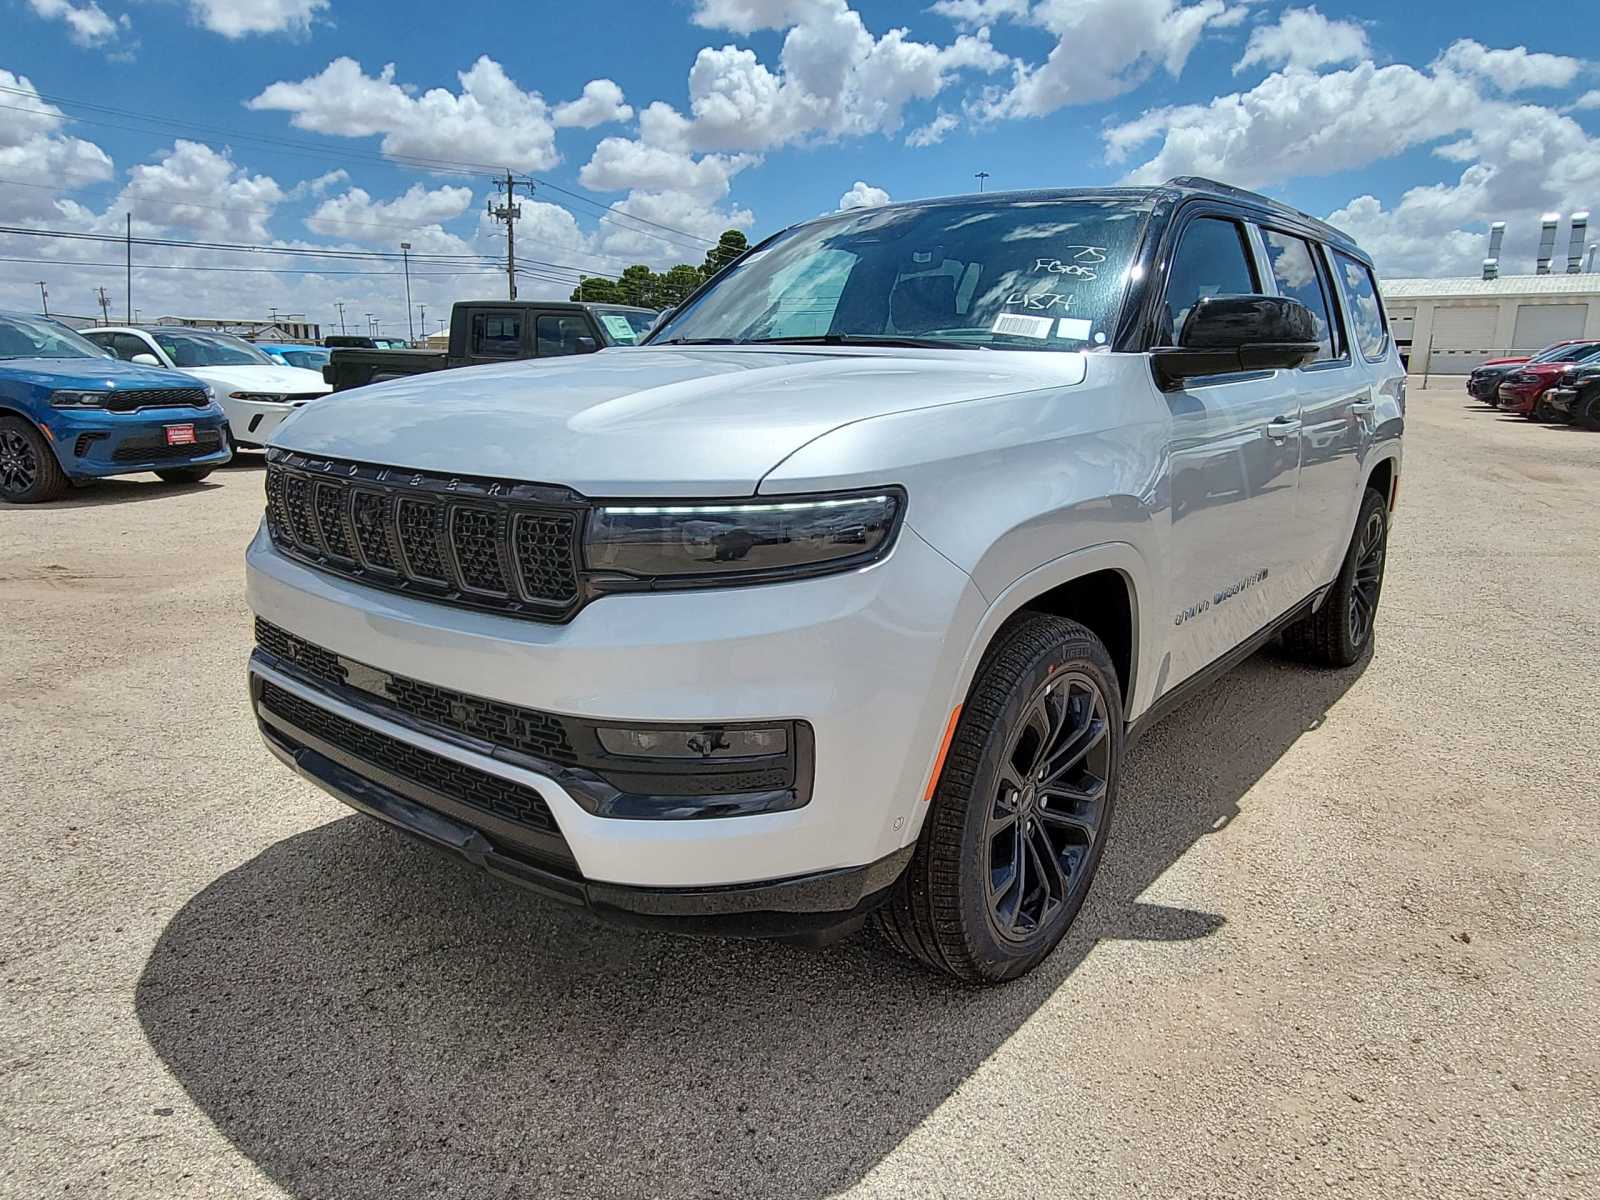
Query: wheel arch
(1384,476)
(1100,587)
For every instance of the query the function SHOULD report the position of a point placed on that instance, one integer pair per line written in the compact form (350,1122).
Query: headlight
(267,397)
(79,399)
(681,545)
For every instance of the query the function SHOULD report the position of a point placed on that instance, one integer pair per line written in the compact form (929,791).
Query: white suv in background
(845,592)
(255,392)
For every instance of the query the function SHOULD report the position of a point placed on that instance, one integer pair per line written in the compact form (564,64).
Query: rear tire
(1588,414)
(183,474)
(1021,811)
(29,472)
(1339,632)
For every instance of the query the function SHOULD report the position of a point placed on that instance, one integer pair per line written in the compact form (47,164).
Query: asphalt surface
(1344,942)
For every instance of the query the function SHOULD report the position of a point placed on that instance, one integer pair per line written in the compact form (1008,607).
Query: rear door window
(126,345)
(558,335)
(1366,310)
(1212,259)
(1294,267)
(496,334)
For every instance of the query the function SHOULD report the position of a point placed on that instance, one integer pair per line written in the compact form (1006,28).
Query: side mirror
(146,360)
(1224,334)
(584,345)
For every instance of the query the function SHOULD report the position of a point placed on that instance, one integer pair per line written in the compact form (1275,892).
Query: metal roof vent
(1580,226)
(1491,265)
(1547,242)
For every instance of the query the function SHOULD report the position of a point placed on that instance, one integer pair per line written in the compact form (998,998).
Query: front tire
(29,472)
(1339,632)
(183,474)
(1021,811)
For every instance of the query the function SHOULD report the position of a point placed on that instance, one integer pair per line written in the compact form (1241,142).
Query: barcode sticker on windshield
(1022,326)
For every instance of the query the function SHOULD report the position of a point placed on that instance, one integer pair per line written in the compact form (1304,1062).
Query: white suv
(844,593)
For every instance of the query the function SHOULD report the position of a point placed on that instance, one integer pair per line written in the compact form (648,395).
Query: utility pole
(405,254)
(340,306)
(508,212)
(422,319)
(44,298)
(371,330)
(980,176)
(105,307)
(129,245)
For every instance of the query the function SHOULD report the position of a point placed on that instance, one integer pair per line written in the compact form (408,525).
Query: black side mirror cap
(585,345)
(1226,334)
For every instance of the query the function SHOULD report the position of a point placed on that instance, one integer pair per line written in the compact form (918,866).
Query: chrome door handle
(1282,428)
(1363,408)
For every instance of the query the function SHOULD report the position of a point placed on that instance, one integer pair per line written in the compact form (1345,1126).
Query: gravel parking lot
(1344,942)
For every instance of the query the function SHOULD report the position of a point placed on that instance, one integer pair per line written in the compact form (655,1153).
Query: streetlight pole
(370,331)
(44,298)
(340,306)
(405,254)
(980,176)
(422,319)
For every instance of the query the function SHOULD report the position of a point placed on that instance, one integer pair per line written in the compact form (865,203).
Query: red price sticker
(180,435)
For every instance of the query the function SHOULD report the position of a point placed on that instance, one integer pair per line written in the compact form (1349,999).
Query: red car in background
(1522,391)
(1484,382)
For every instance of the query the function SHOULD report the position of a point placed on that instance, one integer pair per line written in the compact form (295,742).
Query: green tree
(729,246)
(642,286)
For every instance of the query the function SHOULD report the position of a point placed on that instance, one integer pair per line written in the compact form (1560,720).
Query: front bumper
(93,443)
(1518,399)
(254,421)
(867,659)
(1560,399)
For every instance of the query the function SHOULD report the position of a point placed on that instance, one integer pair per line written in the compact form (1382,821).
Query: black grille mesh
(149,449)
(493,547)
(511,801)
(540,734)
(131,400)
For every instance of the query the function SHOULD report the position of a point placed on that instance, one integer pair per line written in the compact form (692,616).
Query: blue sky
(241,120)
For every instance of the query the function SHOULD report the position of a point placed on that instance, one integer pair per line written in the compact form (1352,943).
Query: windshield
(189,349)
(309,357)
(30,337)
(624,326)
(1003,273)
(1569,353)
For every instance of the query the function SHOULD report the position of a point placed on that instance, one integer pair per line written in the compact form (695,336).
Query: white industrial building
(1449,326)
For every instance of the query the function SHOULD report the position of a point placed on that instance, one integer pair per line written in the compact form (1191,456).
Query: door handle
(1363,408)
(1282,427)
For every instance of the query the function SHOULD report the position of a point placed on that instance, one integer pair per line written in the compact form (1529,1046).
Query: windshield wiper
(865,339)
(683,341)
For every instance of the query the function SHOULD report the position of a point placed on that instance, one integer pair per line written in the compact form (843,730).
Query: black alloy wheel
(1048,803)
(29,471)
(19,466)
(1368,580)
(1020,813)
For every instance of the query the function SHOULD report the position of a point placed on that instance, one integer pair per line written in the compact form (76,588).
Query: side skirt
(1206,676)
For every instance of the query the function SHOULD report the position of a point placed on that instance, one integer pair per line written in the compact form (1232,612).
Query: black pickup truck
(490,331)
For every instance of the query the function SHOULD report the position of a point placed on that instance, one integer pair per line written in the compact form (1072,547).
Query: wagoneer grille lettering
(509,547)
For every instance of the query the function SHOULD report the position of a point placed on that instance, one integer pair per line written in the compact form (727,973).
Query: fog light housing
(713,742)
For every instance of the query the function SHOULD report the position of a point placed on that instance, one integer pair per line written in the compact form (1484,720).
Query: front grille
(155,449)
(133,399)
(540,734)
(509,547)
(503,798)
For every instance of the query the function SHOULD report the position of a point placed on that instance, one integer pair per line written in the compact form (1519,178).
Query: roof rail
(1200,183)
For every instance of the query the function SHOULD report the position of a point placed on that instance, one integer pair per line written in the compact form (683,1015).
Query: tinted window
(1366,312)
(125,345)
(1294,266)
(209,350)
(559,335)
(1574,353)
(1212,260)
(1001,273)
(40,337)
(496,335)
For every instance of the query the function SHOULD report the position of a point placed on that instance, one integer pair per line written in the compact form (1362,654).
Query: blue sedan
(70,412)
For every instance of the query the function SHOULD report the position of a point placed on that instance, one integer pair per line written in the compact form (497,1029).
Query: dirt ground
(1344,942)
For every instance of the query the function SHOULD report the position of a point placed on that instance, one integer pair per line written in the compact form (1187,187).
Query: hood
(108,374)
(252,378)
(650,421)
(1504,362)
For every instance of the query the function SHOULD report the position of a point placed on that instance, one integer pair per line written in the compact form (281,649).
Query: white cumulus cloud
(489,121)
(600,103)
(87,24)
(863,195)
(1513,70)
(1303,37)
(240,18)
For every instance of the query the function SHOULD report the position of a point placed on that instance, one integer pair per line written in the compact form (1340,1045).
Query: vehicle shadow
(103,493)
(362,1017)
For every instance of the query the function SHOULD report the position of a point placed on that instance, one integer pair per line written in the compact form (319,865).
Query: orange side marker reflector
(944,749)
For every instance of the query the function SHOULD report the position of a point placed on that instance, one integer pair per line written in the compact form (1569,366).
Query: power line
(146,266)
